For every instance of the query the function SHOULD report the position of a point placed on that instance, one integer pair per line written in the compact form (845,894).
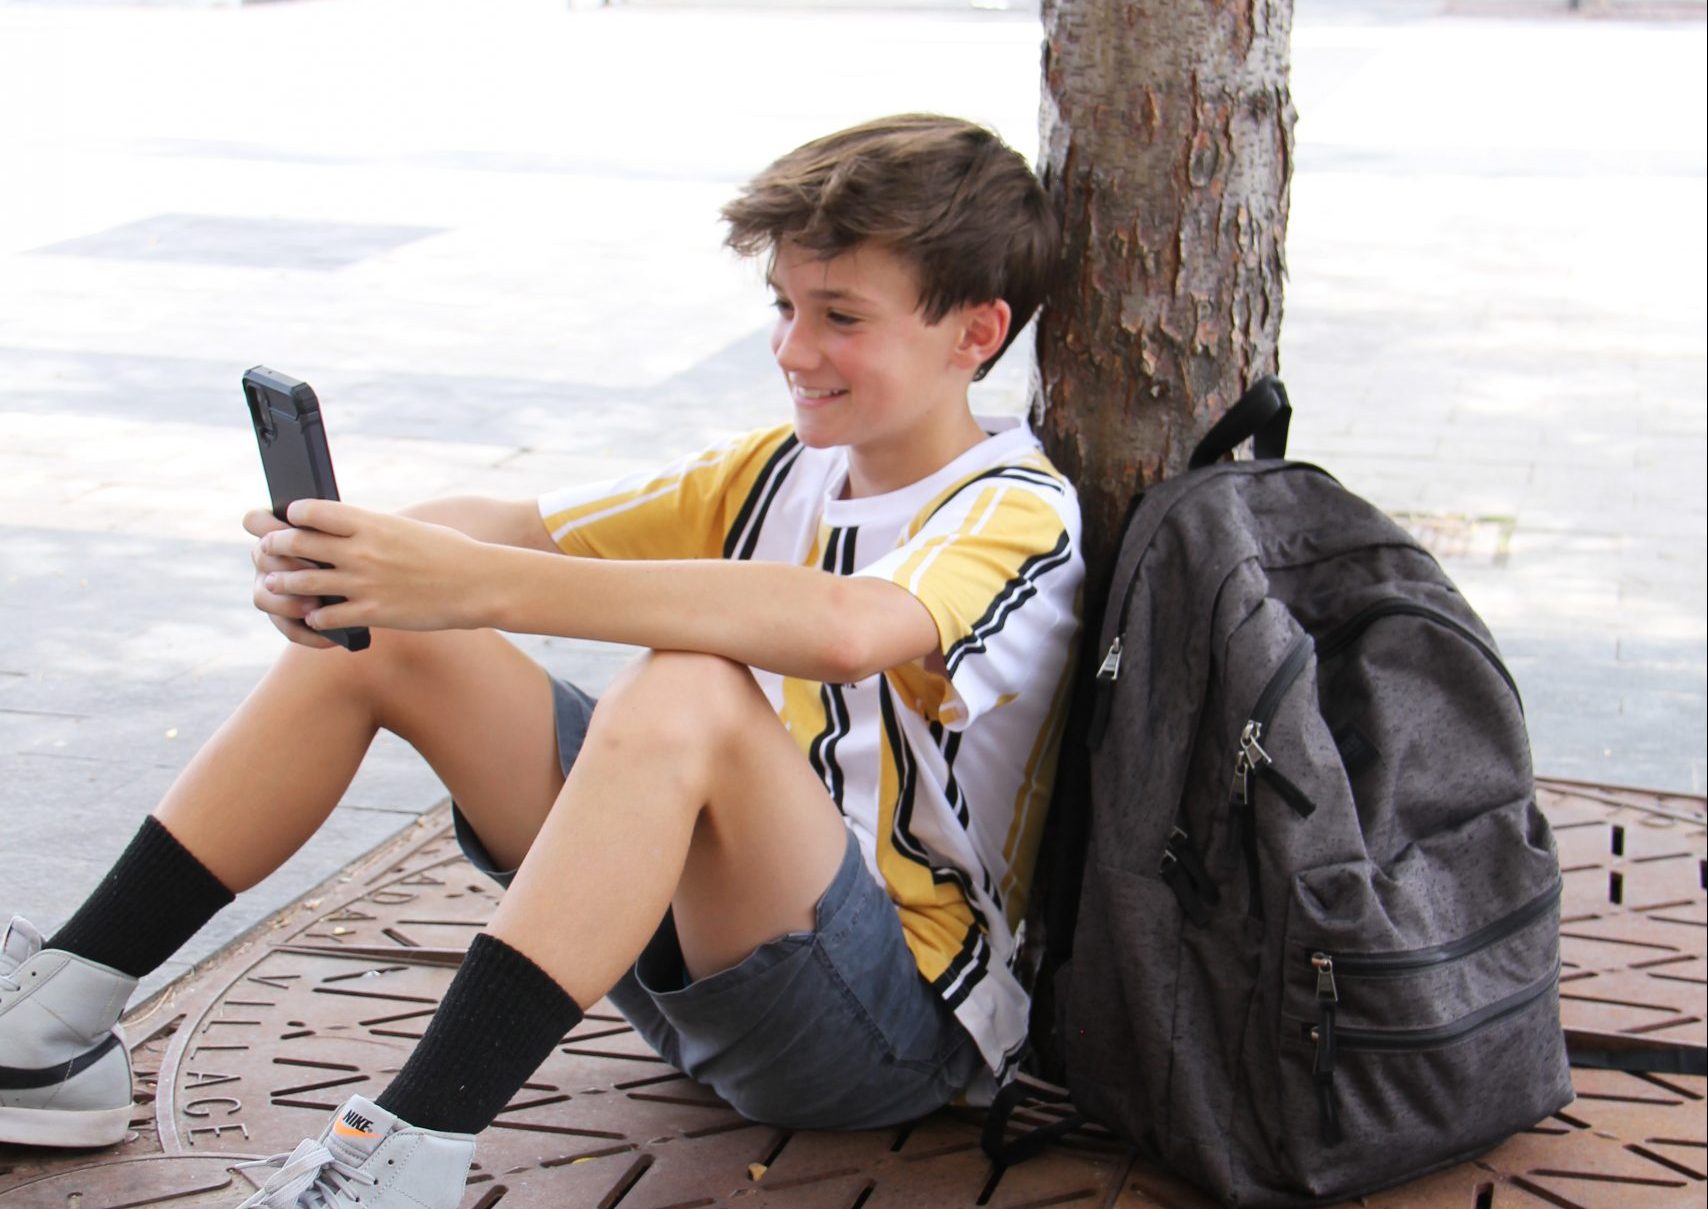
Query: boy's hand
(396,573)
(285,612)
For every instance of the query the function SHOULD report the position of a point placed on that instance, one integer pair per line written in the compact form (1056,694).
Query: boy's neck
(879,468)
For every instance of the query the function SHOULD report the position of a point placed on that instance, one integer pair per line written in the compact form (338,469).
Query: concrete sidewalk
(487,234)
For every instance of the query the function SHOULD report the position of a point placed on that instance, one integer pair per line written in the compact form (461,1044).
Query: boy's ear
(984,327)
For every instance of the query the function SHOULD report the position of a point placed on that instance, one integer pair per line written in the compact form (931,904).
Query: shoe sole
(64,1127)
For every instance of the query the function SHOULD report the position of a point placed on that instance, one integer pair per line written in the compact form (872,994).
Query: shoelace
(8,967)
(309,1177)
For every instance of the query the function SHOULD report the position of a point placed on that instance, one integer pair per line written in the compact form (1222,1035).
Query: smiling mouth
(817,396)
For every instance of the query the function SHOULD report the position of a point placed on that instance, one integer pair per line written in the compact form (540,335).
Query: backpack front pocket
(1420,1003)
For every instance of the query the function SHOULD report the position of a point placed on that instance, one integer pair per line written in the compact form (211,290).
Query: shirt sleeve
(998,568)
(686,510)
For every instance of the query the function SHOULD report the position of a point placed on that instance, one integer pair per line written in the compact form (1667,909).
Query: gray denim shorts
(829,1029)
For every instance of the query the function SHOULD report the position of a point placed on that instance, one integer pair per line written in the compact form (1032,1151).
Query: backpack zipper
(1343,634)
(1328,1040)
(1389,965)
(1110,669)
(1252,758)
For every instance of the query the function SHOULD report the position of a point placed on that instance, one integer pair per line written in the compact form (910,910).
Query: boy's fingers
(328,516)
(276,604)
(258,522)
(334,617)
(313,582)
(265,561)
(297,632)
(305,545)
(285,608)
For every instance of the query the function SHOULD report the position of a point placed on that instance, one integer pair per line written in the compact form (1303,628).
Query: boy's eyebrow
(825,295)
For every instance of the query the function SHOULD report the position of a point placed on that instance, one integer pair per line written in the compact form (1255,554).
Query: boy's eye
(783,306)
(837,317)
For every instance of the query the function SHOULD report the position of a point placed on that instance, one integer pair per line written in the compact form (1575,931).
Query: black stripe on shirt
(743,534)
(1019,474)
(976,950)
(966,971)
(1012,1059)
(1015,593)
(822,753)
(907,782)
(951,747)
(949,744)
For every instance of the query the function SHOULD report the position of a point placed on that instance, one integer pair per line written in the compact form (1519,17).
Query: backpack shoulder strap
(1005,1152)
(1636,1054)
(1262,412)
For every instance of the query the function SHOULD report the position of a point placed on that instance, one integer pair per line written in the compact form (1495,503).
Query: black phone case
(295,457)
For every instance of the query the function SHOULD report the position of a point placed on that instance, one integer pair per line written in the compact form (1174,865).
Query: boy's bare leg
(687,790)
(626,836)
(474,705)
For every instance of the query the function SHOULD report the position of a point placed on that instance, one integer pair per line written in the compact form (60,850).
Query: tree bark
(1167,136)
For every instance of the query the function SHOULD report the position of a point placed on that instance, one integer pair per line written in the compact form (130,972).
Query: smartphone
(295,457)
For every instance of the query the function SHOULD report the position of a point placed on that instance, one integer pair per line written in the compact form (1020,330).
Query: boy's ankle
(156,896)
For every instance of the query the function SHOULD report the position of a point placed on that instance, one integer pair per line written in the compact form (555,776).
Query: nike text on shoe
(64,1069)
(366,1157)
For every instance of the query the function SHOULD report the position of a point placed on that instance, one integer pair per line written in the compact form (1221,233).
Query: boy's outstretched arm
(501,522)
(401,574)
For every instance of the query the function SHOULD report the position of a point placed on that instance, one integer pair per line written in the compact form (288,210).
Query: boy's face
(863,367)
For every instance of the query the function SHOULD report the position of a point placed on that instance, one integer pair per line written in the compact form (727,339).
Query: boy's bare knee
(677,701)
(394,672)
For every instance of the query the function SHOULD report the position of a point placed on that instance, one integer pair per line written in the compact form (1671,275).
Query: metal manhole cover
(246,1056)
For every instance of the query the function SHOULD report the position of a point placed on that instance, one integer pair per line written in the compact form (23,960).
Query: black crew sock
(498,1021)
(155,898)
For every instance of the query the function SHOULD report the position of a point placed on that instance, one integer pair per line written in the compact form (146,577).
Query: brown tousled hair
(943,193)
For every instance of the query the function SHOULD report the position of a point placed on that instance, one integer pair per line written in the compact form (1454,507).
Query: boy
(792,843)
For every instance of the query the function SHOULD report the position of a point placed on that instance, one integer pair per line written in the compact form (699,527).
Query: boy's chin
(812,430)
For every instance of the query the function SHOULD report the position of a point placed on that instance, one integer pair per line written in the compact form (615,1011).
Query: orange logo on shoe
(354,1125)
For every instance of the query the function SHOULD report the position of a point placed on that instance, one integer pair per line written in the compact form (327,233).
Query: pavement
(487,235)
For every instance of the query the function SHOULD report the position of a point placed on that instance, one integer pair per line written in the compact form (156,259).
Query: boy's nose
(793,350)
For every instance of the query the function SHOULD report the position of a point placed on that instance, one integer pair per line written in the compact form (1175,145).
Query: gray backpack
(1317,940)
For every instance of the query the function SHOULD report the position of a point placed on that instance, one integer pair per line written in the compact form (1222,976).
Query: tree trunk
(1167,134)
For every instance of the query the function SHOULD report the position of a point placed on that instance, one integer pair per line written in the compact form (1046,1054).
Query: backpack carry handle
(1262,412)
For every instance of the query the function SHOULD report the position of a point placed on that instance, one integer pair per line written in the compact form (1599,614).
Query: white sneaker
(64,1068)
(368,1157)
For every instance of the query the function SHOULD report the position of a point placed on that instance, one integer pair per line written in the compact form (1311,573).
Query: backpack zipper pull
(1250,746)
(1104,692)
(1322,1074)
(1244,820)
(1111,667)
(1324,966)
(1322,1069)
(1183,869)
(1259,761)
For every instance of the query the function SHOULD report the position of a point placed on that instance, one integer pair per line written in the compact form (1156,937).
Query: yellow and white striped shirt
(944,781)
